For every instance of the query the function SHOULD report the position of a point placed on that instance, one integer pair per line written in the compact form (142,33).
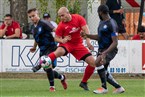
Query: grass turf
(40,88)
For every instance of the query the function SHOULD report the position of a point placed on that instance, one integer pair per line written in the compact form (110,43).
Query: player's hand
(32,50)
(6,23)
(121,11)
(66,39)
(103,58)
(84,35)
(123,22)
(91,47)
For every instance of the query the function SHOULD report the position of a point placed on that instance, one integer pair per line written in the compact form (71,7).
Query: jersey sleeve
(59,30)
(16,25)
(82,20)
(113,28)
(47,27)
(50,25)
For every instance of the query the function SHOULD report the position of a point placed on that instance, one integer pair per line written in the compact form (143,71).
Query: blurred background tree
(18,9)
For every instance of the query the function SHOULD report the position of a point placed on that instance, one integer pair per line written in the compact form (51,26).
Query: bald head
(63,10)
(64,14)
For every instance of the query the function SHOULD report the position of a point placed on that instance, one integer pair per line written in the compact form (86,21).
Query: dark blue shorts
(109,56)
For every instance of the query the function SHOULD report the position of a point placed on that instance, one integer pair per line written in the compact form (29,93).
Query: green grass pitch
(40,88)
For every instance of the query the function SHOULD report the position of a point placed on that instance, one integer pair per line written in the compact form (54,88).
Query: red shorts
(79,51)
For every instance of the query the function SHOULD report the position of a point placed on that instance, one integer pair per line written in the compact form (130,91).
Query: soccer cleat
(52,89)
(100,91)
(36,68)
(64,83)
(119,90)
(84,86)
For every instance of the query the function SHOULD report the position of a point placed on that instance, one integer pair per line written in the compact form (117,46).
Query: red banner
(143,56)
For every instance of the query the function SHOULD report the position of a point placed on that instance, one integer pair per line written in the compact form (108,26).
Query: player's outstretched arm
(91,36)
(85,29)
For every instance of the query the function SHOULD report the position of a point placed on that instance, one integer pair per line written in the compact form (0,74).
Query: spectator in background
(116,12)
(47,17)
(10,29)
(141,34)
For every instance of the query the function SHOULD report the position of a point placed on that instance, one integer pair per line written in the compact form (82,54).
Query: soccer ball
(46,62)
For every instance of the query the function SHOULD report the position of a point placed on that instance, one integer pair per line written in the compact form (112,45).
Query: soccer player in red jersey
(70,41)
(10,28)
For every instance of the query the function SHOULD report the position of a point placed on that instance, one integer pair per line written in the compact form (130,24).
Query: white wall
(15,57)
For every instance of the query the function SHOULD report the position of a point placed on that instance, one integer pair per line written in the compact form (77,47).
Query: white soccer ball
(46,62)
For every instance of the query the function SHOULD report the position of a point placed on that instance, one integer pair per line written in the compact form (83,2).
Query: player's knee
(59,52)
(91,61)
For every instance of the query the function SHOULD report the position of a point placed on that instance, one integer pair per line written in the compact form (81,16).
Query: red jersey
(136,37)
(11,29)
(72,28)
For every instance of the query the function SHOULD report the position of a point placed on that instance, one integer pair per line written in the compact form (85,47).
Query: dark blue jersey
(43,36)
(106,30)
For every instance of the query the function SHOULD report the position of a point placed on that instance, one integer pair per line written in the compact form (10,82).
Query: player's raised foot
(52,89)
(64,83)
(36,68)
(84,86)
(119,90)
(100,91)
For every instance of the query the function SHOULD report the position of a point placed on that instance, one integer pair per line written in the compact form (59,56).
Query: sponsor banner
(143,56)
(16,57)
(0,56)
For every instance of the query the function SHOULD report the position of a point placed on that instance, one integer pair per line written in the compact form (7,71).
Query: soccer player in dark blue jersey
(45,41)
(107,41)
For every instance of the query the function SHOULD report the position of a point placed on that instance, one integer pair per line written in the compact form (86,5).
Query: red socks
(88,72)
(52,56)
